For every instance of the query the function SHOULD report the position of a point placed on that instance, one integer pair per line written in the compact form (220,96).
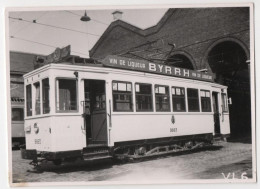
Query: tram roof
(123,63)
(99,66)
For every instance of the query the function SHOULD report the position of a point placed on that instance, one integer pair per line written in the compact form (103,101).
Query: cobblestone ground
(226,159)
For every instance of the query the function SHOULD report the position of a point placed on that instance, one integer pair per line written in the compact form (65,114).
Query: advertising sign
(146,66)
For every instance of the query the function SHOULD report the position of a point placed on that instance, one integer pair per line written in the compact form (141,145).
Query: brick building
(20,64)
(210,39)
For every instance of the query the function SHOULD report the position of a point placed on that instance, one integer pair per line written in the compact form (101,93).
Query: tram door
(95,112)
(216,112)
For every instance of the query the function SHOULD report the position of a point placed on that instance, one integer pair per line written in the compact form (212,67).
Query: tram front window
(144,102)
(66,95)
(28,100)
(37,98)
(45,96)
(224,102)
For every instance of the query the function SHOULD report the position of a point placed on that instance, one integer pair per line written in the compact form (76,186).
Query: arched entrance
(180,60)
(228,60)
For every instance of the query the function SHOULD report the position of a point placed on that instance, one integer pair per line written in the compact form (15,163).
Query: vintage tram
(122,108)
(17,122)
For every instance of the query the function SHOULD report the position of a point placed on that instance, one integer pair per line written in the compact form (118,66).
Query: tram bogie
(94,112)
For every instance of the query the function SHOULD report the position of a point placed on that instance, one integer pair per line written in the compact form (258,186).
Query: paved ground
(230,160)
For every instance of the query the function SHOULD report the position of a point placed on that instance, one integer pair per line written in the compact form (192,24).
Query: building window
(143,95)
(193,100)
(45,96)
(28,100)
(17,114)
(37,98)
(162,98)
(205,101)
(224,102)
(122,96)
(66,95)
(178,99)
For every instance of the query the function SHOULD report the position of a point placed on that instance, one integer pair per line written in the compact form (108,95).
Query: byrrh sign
(145,66)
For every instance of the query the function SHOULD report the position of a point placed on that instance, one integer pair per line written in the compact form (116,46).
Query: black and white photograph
(131,94)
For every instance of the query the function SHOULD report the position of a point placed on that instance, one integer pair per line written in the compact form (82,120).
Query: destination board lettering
(146,66)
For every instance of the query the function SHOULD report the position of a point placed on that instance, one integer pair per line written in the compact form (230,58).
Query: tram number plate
(37,141)
(173,130)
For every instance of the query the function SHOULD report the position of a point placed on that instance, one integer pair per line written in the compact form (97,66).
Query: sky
(26,36)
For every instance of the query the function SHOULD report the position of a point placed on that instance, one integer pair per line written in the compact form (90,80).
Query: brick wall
(191,30)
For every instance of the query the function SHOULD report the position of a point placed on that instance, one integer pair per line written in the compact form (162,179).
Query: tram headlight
(36,128)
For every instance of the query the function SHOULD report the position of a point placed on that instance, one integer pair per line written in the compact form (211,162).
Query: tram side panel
(225,126)
(68,133)
(138,127)
(38,135)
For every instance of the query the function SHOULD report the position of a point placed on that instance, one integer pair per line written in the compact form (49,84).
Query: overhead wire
(29,23)
(52,26)
(44,44)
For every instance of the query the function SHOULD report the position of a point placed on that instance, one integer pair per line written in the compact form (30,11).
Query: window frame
(23,115)
(43,95)
(31,101)
(157,94)
(198,100)
(117,91)
(225,110)
(77,95)
(35,98)
(208,98)
(184,97)
(152,103)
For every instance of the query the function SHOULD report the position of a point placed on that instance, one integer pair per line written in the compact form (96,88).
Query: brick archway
(227,58)
(226,39)
(181,59)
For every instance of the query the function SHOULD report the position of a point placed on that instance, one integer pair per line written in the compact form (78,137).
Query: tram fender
(61,154)
(28,154)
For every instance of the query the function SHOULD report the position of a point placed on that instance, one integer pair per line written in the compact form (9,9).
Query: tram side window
(178,99)
(66,95)
(122,96)
(28,100)
(162,98)
(205,101)
(193,100)
(224,102)
(37,98)
(143,95)
(45,96)
(17,114)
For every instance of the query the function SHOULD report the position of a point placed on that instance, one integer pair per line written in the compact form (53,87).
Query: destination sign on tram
(146,66)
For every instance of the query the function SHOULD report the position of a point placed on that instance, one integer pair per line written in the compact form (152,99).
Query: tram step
(95,149)
(218,139)
(97,158)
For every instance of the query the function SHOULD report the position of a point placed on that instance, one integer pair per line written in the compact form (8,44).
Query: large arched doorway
(180,60)
(228,60)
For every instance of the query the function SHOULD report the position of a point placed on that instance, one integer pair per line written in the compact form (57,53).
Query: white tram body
(70,107)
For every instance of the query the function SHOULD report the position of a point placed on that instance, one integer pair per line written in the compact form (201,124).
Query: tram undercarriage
(127,151)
